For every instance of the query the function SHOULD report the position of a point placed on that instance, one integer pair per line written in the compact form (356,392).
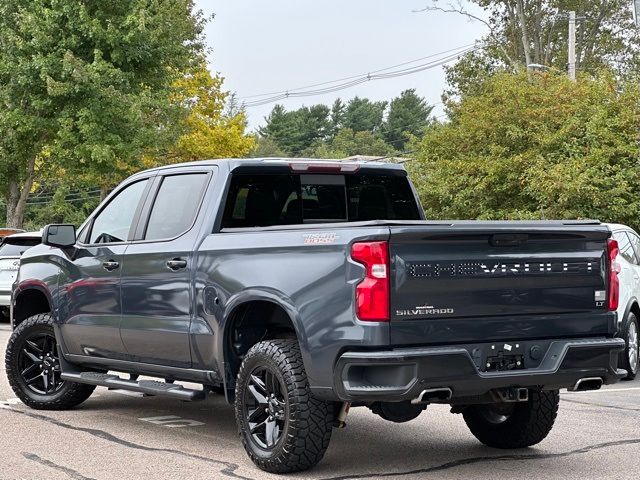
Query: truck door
(157,293)
(90,307)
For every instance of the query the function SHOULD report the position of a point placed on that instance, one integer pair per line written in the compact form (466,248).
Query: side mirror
(61,236)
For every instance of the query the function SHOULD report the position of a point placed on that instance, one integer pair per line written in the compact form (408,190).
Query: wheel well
(28,303)
(250,323)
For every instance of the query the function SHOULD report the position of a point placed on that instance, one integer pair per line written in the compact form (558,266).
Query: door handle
(176,264)
(110,265)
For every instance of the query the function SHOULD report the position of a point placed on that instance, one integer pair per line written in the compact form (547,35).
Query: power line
(359,75)
(359,80)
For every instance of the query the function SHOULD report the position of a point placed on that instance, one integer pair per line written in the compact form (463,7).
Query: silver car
(11,249)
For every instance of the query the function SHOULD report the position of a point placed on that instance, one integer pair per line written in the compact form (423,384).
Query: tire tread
(310,420)
(71,395)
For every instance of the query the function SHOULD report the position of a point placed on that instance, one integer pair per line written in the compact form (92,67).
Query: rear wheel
(514,425)
(629,357)
(283,428)
(33,367)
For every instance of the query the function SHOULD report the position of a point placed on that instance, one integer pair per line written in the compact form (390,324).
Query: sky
(263,46)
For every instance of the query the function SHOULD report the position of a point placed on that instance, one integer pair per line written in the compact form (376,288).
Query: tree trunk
(18,196)
(104,191)
(526,46)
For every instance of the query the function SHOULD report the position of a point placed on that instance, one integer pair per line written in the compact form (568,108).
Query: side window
(113,223)
(262,200)
(626,250)
(635,243)
(175,206)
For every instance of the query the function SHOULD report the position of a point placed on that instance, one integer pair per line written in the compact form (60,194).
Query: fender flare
(266,295)
(27,285)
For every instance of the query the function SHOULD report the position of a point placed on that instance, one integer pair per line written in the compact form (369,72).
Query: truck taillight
(614,269)
(372,293)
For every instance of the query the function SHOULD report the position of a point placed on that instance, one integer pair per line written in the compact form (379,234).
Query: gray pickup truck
(301,288)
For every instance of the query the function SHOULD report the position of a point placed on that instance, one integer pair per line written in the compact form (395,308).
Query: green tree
(295,131)
(86,87)
(267,147)
(545,148)
(525,32)
(408,116)
(209,130)
(347,143)
(337,116)
(363,115)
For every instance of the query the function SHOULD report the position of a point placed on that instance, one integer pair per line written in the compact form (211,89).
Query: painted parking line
(172,421)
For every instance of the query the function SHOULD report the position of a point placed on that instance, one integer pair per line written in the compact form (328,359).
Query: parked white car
(11,249)
(629,306)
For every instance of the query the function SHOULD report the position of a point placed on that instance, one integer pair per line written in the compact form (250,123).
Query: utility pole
(572,46)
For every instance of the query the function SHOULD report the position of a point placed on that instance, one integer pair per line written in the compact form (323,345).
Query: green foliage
(347,143)
(62,206)
(523,32)
(85,87)
(297,130)
(355,128)
(545,148)
(363,115)
(408,116)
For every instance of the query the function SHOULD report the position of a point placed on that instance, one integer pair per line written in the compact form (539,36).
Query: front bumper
(401,374)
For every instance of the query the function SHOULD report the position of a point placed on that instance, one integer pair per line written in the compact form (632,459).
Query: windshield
(15,248)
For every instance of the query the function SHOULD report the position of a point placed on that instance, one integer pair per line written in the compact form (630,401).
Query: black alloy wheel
(34,370)
(265,407)
(39,364)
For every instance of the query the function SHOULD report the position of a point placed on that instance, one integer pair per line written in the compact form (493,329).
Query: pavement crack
(228,469)
(75,475)
(602,405)
(498,458)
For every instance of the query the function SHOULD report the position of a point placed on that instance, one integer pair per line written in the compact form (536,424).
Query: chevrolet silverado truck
(299,289)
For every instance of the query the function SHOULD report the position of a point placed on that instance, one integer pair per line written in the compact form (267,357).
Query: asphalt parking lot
(125,436)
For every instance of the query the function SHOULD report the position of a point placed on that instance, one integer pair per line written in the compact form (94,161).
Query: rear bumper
(401,374)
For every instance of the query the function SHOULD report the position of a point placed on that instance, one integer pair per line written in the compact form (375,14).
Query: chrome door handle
(176,264)
(110,265)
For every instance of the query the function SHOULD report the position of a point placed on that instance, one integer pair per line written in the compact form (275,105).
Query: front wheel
(283,428)
(33,367)
(629,357)
(514,425)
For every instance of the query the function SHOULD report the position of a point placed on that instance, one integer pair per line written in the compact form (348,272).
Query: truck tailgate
(484,281)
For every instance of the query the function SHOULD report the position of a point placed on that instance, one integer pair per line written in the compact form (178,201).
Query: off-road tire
(308,421)
(624,361)
(527,424)
(70,394)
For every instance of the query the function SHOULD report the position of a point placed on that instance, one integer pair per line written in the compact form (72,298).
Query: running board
(148,387)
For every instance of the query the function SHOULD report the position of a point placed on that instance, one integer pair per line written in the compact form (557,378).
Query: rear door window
(289,199)
(175,207)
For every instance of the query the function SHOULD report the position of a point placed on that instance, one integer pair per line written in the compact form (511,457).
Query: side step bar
(148,387)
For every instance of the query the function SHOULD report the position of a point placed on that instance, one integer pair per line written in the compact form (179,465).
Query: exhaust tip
(434,395)
(586,384)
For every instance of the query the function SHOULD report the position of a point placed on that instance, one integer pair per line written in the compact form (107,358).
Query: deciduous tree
(86,86)
(545,148)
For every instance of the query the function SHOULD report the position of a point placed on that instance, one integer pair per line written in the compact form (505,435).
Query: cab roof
(234,163)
